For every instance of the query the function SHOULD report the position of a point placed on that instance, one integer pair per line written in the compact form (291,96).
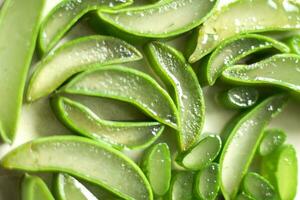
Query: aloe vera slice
(83,158)
(273,139)
(258,187)
(243,196)
(245,16)
(66,14)
(281,168)
(182,186)
(179,76)
(294,44)
(79,118)
(34,188)
(157,167)
(129,85)
(207,184)
(236,48)
(174,17)
(77,56)
(281,70)
(239,97)
(242,143)
(17,43)
(201,154)
(68,188)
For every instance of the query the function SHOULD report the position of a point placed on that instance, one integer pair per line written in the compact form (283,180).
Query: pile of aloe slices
(146,141)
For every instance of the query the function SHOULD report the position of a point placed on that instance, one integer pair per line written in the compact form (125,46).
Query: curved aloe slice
(174,17)
(273,139)
(82,120)
(294,44)
(132,86)
(281,70)
(84,158)
(19,23)
(243,196)
(34,188)
(77,56)
(239,97)
(68,188)
(207,184)
(245,16)
(236,48)
(180,77)
(157,167)
(242,143)
(258,187)
(202,153)
(66,14)
(182,186)
(281,169)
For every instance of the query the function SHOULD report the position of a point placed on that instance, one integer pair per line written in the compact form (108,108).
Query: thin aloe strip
(77,56)
(34,188)
(19,23)
(245,16)
(294,44)
(234,49)
(182,186)
(272,140)
(258,187)
(128,85)
(240,97)
(62,17)
(207,184)
(86,159)
(68,188)
(133,135)
(281,70)
(157,168)
(281,169)
(243,142)
(174,17)
(179,76)
(201,154)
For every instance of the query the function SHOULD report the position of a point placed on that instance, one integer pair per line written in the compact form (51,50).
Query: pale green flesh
(34,188)
(245,16)
(132,86)
(273,139)
(236,48)
(66,14)
(68,188)
(120,134)
(207,183)
(76,56)
(242,143)
(243,196)
(203,153)
(174,17)
(171,65)
(280,70)
(182,186)
(91,161)
(19,22)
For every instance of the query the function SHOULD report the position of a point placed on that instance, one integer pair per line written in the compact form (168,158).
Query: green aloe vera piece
(242,143)
(281,169)
(294,44)
(19,23)
(62,17)
(129,85)
(86,159)
(239,97)
(258,187)
(157,167)
(174,17)
(236,48)
(34,188)
(82,120)
(245,16)
(68,188)
(77,56)
(179,76)
(207,185)
(201,154)
(243,196)
(281,70)
(272,140)
(182,186)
